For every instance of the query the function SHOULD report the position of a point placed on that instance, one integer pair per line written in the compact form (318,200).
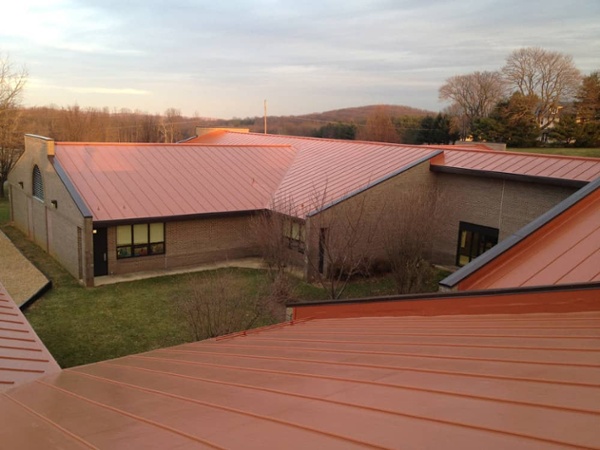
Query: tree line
(538,97)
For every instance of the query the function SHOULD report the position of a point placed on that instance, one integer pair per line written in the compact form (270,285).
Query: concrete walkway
(247,263)
(20,278)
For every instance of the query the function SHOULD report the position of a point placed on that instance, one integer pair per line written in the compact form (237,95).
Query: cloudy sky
(221,58)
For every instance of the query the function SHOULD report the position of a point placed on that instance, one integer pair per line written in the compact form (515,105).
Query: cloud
(100,90)
(226,56)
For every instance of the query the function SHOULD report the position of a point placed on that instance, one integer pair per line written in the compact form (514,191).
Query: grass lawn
(83,325)
(4,211)
(588,152)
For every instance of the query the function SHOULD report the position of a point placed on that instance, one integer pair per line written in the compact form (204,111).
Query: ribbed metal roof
(563,250)
(133,181)
(23,356)
(483,381)
(525,164)
(327,170)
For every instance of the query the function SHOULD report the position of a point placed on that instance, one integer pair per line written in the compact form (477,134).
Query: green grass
(587,152)
(4,211)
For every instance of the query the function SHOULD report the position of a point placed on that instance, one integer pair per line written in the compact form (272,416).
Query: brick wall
(372,211)
(189,243)
(503,204)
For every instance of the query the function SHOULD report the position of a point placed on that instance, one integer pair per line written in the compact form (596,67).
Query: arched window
(38,183)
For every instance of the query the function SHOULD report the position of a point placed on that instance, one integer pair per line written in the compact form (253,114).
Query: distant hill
(310,124)
(360,114)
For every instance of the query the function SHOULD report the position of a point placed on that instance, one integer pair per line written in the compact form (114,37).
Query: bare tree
(169,125)
(550,76)
(379,127)
(408,235)
(476,94)
(341,241)
(219,303)
(12,83)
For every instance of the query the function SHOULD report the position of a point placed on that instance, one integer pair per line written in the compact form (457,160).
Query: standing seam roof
(23,356)
(496,381)
(135,181)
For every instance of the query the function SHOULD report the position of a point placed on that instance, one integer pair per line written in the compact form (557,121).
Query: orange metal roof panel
(564,250)
(23,356)
(327,170)
(526,164)
(129,181)
(525,381)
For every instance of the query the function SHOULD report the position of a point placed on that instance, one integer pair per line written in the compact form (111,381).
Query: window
(294,232)
(140,239)
(473,240)
(38,183)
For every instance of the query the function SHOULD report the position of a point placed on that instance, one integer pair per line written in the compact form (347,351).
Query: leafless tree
(169,126)
(476,94)
(550,76)
(12,83)
(408,230)
(341,242)
(379,127)
(219,303)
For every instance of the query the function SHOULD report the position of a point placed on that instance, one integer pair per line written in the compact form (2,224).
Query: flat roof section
(525,381)
(23,356)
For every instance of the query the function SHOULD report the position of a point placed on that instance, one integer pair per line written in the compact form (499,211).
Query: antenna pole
(265,116)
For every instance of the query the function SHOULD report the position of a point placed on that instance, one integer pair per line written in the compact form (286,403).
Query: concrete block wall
(53,228)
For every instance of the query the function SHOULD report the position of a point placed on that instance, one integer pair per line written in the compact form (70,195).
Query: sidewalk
(246,263)
(20,278)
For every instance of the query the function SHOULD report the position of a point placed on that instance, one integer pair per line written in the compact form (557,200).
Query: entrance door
(100,252)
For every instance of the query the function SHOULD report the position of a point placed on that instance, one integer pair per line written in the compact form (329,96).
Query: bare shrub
(220,303)
(343,237)
(409,230)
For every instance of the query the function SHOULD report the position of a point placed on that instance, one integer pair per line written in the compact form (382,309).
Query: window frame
(148,248)
(294,231)
(478,241)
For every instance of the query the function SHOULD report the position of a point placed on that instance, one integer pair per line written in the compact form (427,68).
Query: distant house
(108,208)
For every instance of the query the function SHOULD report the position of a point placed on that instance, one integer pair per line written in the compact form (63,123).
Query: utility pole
(265,115)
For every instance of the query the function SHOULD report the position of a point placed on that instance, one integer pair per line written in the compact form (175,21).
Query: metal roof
(537,166)
(326,171)
(224,171)
(560,247)
(142,181)
(482,381)
(23,356)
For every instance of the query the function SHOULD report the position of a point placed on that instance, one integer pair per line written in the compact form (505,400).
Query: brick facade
(190,242)
(503,204)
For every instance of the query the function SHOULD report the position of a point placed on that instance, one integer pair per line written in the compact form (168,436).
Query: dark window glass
(141,239)
(473,240)
(38,183)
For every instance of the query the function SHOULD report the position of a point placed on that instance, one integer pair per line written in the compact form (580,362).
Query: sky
(223,58)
